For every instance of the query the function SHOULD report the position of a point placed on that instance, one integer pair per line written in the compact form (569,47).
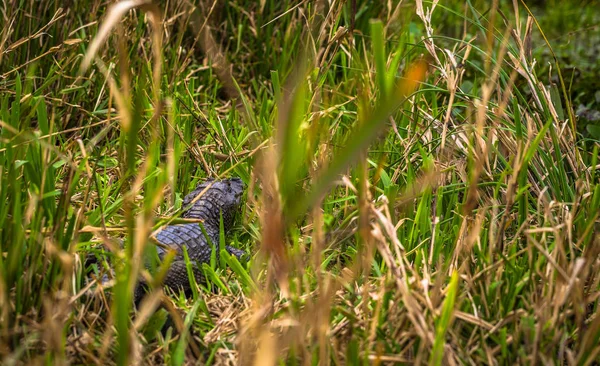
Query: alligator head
(212,198)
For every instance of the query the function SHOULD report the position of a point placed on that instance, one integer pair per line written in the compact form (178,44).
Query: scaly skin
(217,198)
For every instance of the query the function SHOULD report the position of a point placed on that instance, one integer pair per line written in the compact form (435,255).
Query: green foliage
(435,201)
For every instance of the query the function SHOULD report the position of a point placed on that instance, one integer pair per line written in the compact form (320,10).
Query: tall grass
(416,191)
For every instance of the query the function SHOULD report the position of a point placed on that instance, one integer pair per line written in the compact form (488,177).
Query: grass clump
(418,187)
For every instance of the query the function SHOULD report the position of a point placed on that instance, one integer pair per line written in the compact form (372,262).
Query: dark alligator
(209,202)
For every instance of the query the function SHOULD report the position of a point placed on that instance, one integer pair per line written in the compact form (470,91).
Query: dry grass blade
(360,139)
(202,28)
(115,15)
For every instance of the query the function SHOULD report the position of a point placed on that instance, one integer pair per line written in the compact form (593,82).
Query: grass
(418,189)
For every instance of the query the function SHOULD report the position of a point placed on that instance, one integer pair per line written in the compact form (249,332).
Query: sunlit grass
(417,192)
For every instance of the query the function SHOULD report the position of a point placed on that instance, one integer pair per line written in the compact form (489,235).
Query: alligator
(211,202)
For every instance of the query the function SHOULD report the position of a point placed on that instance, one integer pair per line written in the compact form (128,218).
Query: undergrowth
(418,187)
